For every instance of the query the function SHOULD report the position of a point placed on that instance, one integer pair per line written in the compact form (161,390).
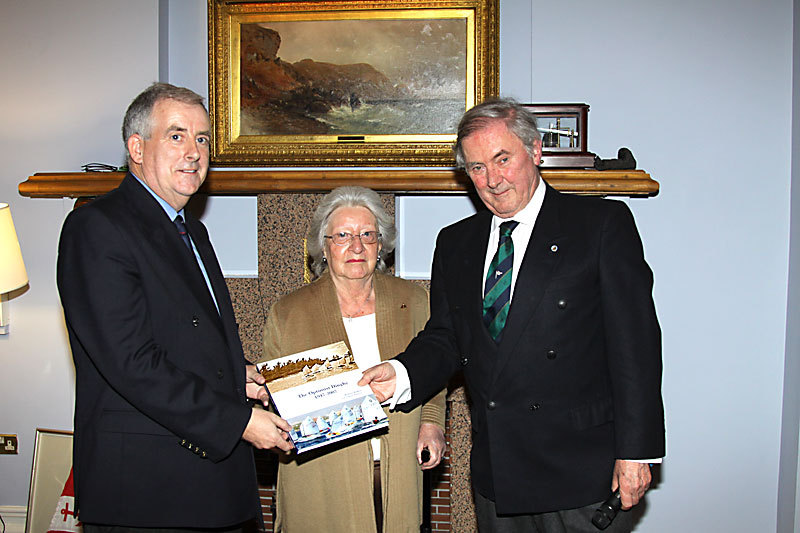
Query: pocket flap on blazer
(115,421)
(592,414)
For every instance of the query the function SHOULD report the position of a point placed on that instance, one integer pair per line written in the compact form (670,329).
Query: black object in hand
(607,511)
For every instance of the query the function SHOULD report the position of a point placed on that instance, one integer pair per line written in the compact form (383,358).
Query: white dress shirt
(520,237)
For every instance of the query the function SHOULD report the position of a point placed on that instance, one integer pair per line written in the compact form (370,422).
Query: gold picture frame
(346,83)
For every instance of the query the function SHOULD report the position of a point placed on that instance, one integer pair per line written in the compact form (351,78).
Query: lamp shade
(12,269)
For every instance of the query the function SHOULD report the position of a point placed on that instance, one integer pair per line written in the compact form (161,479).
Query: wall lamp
(12,269)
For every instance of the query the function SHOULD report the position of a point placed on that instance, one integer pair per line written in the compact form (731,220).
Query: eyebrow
(182,129)
(495,156)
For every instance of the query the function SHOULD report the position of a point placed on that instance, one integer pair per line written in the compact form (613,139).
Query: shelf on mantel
(251,182)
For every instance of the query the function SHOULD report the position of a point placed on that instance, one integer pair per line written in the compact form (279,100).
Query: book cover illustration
(316,391)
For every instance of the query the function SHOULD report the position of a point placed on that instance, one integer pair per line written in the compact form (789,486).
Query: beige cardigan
(333,492)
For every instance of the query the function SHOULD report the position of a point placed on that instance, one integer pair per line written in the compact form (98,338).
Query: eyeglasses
(343,237)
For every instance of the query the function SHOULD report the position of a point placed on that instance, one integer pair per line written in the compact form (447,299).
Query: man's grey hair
(350,196)
(519,121)
(138,117)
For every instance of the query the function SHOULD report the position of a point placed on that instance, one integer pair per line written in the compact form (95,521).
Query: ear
(537,152)
(135,148)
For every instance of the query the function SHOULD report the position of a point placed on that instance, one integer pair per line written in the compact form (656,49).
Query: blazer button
(203,455)
(195,321)
(220,373)
(464,361)
(551,354)
(535,407)
(491,405)
(562,304)
(196,449)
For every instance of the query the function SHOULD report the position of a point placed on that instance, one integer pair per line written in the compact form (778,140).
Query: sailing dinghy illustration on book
(316,391)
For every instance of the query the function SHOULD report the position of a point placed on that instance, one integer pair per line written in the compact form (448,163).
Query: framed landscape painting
(346,83)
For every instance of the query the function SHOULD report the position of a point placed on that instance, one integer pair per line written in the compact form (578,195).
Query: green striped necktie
(497,291)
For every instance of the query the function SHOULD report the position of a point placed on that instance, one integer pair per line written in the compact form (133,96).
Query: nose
(493,177)
(193,151)
(356,245)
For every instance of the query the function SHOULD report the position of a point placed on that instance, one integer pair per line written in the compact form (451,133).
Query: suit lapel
(540,261)
(225,319)
(328,305)
(215,277)
(474,251)
(169,251)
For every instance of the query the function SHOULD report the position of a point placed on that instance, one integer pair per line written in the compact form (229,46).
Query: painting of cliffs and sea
(353,77)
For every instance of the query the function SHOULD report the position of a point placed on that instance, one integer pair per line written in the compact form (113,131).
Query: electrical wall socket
(9,445)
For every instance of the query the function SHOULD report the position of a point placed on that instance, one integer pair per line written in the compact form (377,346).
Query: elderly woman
(377,315)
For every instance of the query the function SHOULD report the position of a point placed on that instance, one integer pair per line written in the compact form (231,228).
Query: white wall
(69,71)
(699,90)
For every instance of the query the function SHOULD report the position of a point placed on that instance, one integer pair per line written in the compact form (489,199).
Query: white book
(316,391)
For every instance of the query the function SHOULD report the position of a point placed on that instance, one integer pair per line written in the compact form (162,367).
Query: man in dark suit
(544,302)
(163,429)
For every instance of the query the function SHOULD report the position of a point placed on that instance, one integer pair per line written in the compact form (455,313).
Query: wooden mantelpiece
(249,182)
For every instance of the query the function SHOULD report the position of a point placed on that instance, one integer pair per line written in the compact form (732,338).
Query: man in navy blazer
(163,428)
(566,401)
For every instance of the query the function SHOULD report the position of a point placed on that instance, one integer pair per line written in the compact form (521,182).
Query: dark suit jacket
(575,382)
(160,402)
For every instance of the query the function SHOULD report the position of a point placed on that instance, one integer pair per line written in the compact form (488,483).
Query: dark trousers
(95,528)
(569,521)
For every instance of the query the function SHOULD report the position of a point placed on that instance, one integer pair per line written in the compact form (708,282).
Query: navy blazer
(160,402)
(575,382)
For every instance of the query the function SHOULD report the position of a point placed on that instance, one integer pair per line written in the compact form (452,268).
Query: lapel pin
(403,306)
(554,248)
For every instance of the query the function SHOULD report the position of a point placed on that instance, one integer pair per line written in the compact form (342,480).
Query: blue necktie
(185,236)
(182,231)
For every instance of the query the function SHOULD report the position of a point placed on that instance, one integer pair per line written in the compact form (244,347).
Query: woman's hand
(431,437)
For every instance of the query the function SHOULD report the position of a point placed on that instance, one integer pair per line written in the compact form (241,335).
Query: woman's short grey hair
(138,117)
(519,121)
(348,197)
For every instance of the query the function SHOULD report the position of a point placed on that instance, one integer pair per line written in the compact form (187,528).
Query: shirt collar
(528,214)
(168,209)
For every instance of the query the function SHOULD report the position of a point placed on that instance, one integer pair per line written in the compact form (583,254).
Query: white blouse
(363,336)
